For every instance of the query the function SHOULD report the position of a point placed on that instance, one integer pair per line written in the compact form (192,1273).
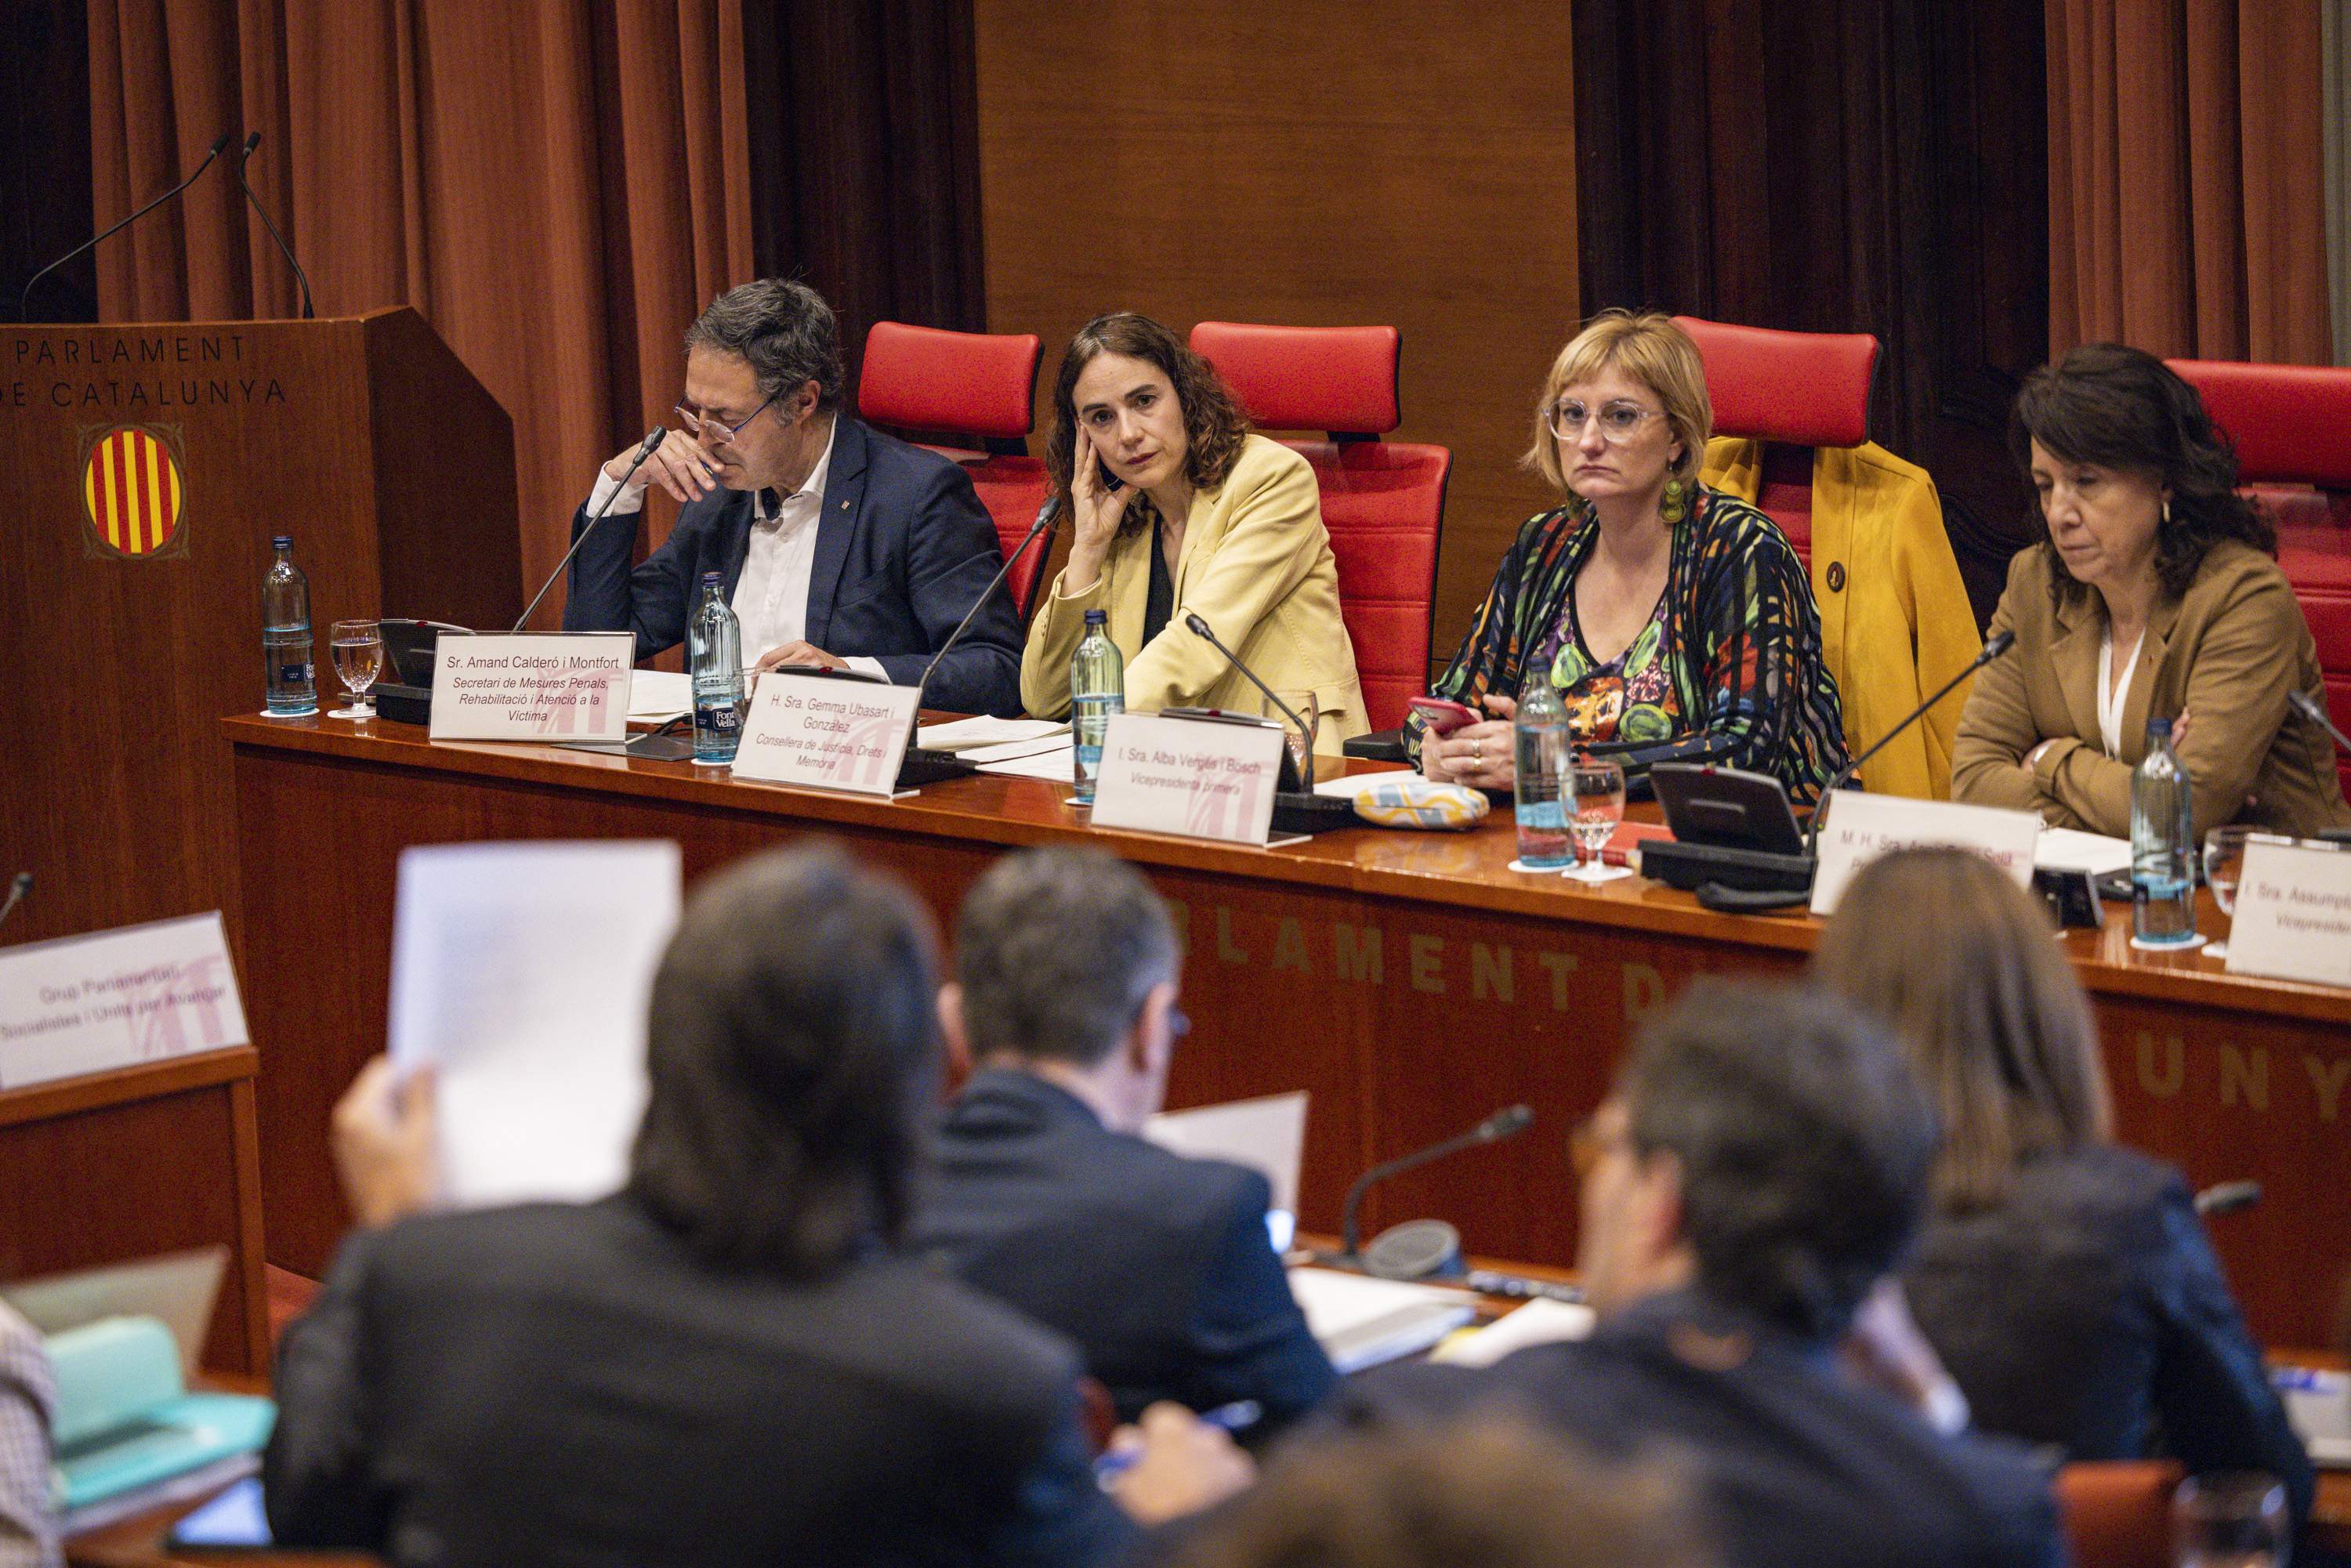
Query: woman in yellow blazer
(2153,595)
(1177,509)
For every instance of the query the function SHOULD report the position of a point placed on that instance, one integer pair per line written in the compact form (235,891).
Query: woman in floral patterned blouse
(1675,620)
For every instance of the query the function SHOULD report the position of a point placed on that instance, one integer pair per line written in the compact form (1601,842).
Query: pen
(1236,1418)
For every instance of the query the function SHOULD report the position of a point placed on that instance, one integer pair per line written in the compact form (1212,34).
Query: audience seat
(2118,1513)
(2291,426)
(1792,391)
(978,390)
(1384,502)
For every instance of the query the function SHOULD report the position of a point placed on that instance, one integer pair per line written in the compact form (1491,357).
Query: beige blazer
(1256,567)
(2227,652)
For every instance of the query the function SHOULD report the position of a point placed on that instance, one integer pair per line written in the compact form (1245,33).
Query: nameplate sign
(116,998)
(1193,777)
(2294,913)
(827,735)
(1862,826)
(532,686)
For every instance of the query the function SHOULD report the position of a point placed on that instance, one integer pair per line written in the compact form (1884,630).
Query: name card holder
(77,1005)
(1862,826)
(814,734)
(534,686)
(1194,778)
(2293,920)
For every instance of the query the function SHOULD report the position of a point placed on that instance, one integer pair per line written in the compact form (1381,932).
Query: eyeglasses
(1618,420)
(699,425)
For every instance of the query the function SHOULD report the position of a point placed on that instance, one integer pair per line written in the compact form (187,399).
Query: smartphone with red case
(1444,717)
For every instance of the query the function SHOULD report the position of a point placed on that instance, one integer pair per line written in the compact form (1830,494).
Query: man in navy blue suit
(836,545)
(1758,1171)
(1159,1266)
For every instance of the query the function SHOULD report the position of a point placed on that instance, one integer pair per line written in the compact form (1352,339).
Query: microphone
(21,884)
(653,440)
(1504,1124)
(2228,1197)
(2311,708)
(1049,519)
(26,292)
(251,142)
(2000,643)
(1200,630)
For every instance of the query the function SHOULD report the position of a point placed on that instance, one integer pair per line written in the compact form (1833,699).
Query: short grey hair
(1056,950)
(786,331)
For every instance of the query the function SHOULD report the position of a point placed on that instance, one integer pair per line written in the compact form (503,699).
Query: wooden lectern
(143,470)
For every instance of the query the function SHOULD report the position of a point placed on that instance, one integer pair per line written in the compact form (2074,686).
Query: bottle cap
(714,577)
(2159,726)
(283,541)
(1097,617)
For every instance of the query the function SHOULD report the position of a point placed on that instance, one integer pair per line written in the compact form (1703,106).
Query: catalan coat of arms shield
(132,490)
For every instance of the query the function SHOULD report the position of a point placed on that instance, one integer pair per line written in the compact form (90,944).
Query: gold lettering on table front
(2328,1081)
(1489,974)
(1290,946)
(1225,948)
(1559,966)
(2166,1084)
(1427,963)
(2247,1074)
(1645,990)
(1359,953)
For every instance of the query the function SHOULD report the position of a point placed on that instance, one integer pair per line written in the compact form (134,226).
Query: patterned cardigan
(1751,680)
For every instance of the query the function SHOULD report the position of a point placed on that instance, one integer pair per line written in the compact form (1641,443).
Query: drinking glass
(1301,746)
(2232,1520)
(1599,807)
(2224,866)
(358,648)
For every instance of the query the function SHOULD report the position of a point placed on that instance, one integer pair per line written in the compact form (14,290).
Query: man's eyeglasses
(701,425)
(1618,420)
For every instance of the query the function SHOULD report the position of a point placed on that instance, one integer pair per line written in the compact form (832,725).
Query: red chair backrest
(2117,1515)
(1793,391)
(972,384)
(2291,426)
(1383,502)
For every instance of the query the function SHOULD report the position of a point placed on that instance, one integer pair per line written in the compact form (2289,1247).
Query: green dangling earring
(1673,510)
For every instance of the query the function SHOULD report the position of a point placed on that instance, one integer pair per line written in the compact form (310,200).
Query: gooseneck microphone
(262,213)
(2311,708)
(216,149)
(2000,643)
(1504,1124)
(1200,628)
(18,886)
(1049,518)
(653,440)
(2228,1197)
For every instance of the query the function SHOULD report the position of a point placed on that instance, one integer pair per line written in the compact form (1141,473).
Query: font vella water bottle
(714,653)
(292,687)
(1097,690)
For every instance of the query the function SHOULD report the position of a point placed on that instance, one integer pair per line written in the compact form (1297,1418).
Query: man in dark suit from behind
(727,1361)
(1758,1168)
(1160,1267)
(836,545)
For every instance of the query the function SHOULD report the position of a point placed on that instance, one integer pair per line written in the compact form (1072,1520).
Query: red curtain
(2186,204)
(558,187)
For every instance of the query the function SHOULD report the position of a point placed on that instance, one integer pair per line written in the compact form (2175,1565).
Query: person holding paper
(1160,1267)
(2065,1280)
(2152,593)
(728,1360)
(29,1399)
(1755,1173)
(839,546)
(1176,507)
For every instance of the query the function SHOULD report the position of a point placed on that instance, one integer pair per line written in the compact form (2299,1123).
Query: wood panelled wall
(1317,162)
(1829,167)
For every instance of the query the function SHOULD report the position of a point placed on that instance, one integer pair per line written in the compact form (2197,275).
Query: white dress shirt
(771,596)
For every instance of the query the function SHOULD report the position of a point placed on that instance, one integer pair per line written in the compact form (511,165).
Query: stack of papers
(1053,758)
(1362,1321)
(657,696)
(2070,848)
(971,733)
(1355,786)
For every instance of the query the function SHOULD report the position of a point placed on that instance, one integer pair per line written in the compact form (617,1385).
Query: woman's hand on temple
(1096,512)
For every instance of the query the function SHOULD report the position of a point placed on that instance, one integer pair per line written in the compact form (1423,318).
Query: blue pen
(1237,1417)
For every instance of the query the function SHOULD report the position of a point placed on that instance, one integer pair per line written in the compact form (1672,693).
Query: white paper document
(657,696)
(2071,849)
(1058,765)
(521,972)
(1355,786)
(964,734)
(1267,1134)
(1362,1321)
(1539,1322)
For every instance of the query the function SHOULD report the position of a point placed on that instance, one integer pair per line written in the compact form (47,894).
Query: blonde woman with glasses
(1675,620)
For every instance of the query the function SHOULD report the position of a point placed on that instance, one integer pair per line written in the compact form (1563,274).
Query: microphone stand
(2000,643)
(653,440)
(2311,708)
(262,213)
(25,293)
(18,886)
(1200,628)
(1501,1125)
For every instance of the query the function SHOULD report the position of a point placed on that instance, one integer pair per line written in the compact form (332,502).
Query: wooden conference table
(1407,980)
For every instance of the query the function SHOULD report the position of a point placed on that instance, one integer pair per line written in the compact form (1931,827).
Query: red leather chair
(2117,1515)
(1792,391)
(2292,428)
(981,387)
(1384,502)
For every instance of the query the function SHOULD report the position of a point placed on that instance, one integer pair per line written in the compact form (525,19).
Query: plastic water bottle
(1542,785)
(714,642)
(2163,850)
(1097,690)
(292,682)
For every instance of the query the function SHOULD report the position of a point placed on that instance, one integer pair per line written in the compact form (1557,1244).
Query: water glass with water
(1599,784)
(358,648)
(2235,1518)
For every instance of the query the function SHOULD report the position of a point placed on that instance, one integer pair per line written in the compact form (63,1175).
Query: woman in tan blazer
(1177,508)
(2153,594)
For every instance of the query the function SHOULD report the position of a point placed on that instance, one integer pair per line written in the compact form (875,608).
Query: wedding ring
(1477,754)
